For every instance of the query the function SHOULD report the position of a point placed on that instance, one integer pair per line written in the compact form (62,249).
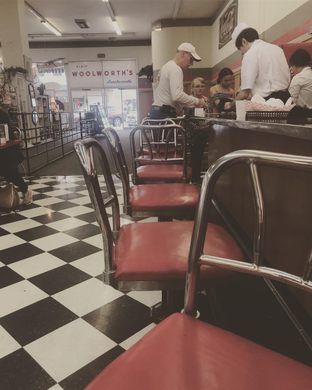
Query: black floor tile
(85,375)
(12,217)
(19,252)
(8,276)
(36,320)
(88,217)
(74,251)
(70,196)
(46,189)
(40,196)
(120,318)
(84,231)
(3,232)
(59,279)
(36,232)
(52,217)
(61,205)
(19,371)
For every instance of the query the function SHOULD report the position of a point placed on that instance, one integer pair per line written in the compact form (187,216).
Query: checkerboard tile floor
(59,324)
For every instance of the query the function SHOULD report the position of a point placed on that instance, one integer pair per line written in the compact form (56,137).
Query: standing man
(264,69)
(169,96)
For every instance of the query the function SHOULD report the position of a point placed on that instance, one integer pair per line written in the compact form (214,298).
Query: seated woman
(300,87)
(9,160)
(198,137)
(223,92)
(197,88)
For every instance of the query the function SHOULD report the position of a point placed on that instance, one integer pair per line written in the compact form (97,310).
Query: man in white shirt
(169,96)
(264,69)
(301,86)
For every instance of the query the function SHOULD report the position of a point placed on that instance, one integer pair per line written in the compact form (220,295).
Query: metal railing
(50,136)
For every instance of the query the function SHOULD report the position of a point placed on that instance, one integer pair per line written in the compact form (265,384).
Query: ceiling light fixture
(113,17)
(50,27)
(42,19)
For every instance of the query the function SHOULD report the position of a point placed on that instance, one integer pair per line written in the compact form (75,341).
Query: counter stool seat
(162,172)
(184,353)
(172,197)
(159,251)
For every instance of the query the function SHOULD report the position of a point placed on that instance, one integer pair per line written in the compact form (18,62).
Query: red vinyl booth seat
(164,197)
(183,353)
(135,258)
(163,172)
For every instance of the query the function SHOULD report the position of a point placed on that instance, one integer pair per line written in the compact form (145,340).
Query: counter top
(296,131)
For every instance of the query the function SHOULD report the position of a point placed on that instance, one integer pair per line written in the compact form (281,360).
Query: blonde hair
(198,79)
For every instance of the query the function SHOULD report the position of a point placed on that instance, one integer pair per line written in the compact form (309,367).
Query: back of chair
(161,143)
(196,258)
(119,158)
(94,163)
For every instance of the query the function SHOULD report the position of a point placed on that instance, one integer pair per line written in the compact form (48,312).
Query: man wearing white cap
(264,69)
(169,96)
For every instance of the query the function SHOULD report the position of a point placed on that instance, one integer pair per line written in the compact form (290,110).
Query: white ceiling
(135,17)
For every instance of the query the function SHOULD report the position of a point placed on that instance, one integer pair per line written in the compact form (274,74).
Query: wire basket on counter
(267,116)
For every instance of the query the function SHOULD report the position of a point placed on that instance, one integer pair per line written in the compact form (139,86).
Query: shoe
(28,197)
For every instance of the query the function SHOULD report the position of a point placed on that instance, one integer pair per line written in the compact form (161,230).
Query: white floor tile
(36,212)
(47,201)
(10,240)
(35,186)
(148,298)
(136,337)
(73,211)
(2,265)
(69,348)
(36,265)
(66,224)
(96,240)
(87,296)
(7,343)
(54,241)
(83,192)
(19,295)
(57,193)
(92,264)
(55,387)
(66,185)
(82,200)
(24,224)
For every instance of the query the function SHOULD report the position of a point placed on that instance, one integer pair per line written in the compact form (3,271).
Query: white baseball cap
(189,48)
(238,29)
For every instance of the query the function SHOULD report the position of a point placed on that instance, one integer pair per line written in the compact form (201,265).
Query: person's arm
(294,89)
(249,72)
(243,94)
(177,93)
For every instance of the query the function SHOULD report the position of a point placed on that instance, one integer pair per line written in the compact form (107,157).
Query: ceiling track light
(42,19)
(113,17)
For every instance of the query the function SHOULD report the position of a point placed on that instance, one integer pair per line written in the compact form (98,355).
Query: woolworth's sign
(100,74)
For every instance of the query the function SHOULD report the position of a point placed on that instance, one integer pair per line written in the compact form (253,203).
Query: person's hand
(229,105)
(201,103)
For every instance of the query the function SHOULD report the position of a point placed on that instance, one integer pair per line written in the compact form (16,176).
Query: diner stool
(159,153)
(185,353)
(163,200)
(144,256)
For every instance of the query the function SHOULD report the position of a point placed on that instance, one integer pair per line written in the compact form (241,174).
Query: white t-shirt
(264,69)
(169,90)
(300,88)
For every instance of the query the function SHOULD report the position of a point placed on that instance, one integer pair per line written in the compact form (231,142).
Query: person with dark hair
(300,87)
(223,91)
(264,69)
(9,160)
